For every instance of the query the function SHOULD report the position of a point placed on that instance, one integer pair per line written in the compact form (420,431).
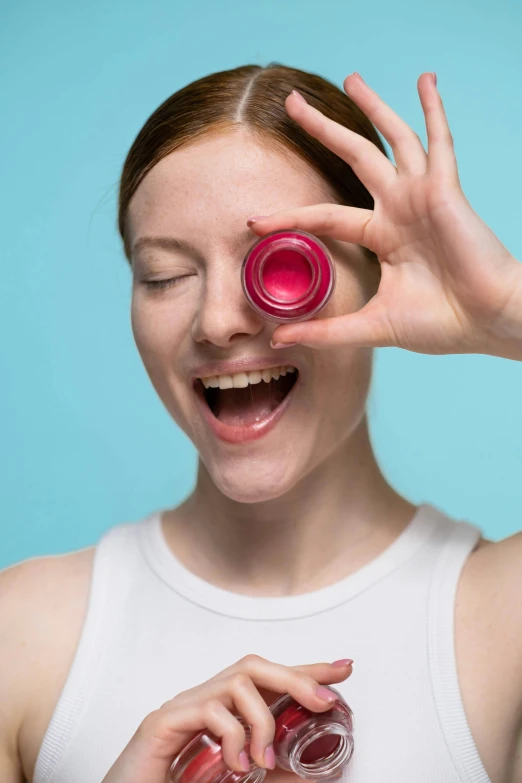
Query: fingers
(248,702)
(367,328)
(334,220)
(298,681)
(410,156)
(441,154)
(238,689)
(373,168)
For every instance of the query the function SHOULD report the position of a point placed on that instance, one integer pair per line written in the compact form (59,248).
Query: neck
(338,518)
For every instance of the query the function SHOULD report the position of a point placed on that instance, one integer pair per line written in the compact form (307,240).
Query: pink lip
(243,434)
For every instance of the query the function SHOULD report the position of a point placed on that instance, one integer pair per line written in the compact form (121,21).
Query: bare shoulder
(488,630)
(490,597)
(43,604)
(494,569)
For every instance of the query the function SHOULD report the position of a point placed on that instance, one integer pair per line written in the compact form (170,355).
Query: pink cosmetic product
(288,276)
(313,745)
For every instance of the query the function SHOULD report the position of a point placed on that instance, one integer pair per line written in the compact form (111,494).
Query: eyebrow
(174,243)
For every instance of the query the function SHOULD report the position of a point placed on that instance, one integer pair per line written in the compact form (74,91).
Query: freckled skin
(204,194)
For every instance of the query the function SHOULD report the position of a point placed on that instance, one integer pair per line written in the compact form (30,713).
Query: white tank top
(153,629)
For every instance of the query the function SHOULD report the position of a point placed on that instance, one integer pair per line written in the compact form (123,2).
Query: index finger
(374,169)
(273,678)
(337,221)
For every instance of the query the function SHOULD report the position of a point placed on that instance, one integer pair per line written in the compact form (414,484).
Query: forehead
(219,182)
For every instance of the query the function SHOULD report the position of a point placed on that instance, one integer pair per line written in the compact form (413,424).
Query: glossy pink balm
(288,275)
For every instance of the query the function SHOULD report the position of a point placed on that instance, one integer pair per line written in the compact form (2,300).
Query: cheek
(351,292)
(160,334)
(345,383)
(158,328)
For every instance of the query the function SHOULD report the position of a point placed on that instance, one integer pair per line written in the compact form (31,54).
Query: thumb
(368,327)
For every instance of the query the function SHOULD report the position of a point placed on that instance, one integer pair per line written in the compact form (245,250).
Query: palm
(445,275)
(425,303)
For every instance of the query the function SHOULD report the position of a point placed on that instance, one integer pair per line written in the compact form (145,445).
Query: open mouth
(246,398)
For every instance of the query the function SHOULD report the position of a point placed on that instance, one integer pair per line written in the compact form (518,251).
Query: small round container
(288,276)
(314,745)
(201,761)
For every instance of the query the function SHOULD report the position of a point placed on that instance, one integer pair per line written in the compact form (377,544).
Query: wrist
(505,333)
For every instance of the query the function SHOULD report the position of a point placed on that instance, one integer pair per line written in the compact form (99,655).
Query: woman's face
(202,195)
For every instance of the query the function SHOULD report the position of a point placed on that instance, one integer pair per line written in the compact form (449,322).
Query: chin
(253,480)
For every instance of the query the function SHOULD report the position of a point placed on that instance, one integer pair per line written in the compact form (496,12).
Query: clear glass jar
(201,761)
(314,745)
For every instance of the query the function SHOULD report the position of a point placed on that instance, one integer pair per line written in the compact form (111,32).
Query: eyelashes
(162,284)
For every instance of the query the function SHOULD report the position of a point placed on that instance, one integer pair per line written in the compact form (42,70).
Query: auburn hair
(253,97)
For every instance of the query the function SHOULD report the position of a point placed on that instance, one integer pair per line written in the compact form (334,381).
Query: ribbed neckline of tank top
(205,594)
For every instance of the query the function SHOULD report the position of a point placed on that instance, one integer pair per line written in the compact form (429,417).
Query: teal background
(84,441)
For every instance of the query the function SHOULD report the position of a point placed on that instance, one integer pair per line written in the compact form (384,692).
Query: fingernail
(243,760)
(270,756)
(434,78)
(325,693)
(281,345)
(342,662)
(358,76)
(294,92)
(255,219)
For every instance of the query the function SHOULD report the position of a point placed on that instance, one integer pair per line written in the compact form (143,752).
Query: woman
(293,555)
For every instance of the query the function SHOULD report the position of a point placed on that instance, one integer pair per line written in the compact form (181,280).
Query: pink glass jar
(288,276)
(314,745)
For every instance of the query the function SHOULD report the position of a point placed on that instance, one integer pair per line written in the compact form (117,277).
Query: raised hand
(448,285)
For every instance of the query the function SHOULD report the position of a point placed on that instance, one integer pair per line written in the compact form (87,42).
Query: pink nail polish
(434,78)
(281,345)
(255,219)
(294,92)
(270,756)
(243,760)
(325,693)
(359,76)
(288,275)
(342,662)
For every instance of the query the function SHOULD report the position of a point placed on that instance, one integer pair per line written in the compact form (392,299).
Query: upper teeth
(241,379)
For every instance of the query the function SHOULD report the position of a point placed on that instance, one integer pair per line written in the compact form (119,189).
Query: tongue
(246,406)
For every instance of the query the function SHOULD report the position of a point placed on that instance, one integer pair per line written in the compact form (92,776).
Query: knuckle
(308,680)
(240,681)
(330,219)
(250,661)
(149,723)
(212,709)
(269,722)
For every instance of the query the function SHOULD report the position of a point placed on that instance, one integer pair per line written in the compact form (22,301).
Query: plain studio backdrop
(85,442)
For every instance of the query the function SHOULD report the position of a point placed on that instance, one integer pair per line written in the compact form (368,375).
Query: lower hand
(247,688)
(448,285)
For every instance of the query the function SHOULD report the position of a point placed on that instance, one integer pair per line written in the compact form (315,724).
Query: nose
(224,316)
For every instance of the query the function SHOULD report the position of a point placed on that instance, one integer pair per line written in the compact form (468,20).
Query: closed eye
(171,281)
